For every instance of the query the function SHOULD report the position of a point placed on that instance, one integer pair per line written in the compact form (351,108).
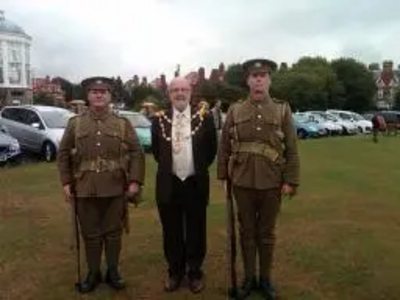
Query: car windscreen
(137,120)
(56,118)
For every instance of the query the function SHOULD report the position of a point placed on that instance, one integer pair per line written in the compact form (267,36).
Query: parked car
(307,129)
(348,128)
(142,126)
(37,128)
(10,150)
(363,125)
(330,127)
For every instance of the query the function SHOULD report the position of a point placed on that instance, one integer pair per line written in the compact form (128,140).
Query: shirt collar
(99,115)
(186,112)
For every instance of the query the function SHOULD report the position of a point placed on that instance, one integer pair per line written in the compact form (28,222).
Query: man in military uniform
(100,162)
(258,153)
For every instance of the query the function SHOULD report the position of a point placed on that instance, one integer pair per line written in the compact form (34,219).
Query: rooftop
(9,27)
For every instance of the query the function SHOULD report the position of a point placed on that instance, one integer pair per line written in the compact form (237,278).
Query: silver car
(37,128)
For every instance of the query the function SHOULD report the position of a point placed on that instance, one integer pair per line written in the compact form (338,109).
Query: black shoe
(114,280)
(249,284)
(267,290)
(92,280)
(196,281)
(172,283)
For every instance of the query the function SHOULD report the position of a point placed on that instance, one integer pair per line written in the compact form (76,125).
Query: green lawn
(339,239)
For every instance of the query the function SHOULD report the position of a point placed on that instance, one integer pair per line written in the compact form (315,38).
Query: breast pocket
(111,142)
(244,126)
(274,131)
(83,142)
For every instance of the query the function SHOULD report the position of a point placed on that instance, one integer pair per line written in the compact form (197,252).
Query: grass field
(338,239)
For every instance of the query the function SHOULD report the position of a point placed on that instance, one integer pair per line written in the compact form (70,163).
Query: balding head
(180,93)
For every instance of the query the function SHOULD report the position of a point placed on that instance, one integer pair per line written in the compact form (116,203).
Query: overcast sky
(79,38)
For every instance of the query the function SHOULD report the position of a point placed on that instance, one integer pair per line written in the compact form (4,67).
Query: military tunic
(269,122)
(98,170)
(258,152)
(99,156)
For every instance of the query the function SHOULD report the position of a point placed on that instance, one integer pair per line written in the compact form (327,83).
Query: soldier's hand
(133,188)
(288,190)
(224,185)
(67,193)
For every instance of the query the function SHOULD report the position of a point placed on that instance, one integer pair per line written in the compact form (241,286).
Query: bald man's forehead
(179,82)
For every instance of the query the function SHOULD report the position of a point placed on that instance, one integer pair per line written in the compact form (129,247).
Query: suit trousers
(101,222)
(257,214)
(184,225)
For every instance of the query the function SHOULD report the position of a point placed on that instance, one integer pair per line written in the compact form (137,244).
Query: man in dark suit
(184,144)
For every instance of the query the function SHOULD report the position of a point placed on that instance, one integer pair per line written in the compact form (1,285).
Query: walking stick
(232,250)
(74,213)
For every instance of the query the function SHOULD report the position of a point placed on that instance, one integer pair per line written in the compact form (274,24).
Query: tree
(66,86)
(43,99)
(283,66)
(358,84)
(374,67)
(141,93)
(234,76)
(309,84)
(397,100)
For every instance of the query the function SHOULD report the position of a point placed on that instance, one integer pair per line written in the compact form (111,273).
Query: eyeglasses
(176,90)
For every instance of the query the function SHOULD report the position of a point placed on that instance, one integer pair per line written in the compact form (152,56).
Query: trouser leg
(245,201)
(171,216)
(89,214)
(112,230)
(196,236)
(268,208)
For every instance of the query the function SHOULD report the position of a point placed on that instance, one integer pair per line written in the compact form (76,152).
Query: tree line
(312,83)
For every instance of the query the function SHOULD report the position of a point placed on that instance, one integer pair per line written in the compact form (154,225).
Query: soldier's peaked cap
(97,82)
(259,65)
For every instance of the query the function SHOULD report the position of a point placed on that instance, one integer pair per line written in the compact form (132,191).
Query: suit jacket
(204,143)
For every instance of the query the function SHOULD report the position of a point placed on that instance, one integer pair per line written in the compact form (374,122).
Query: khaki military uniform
(258,152)
(99,156)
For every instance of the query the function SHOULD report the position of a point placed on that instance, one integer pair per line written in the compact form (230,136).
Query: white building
(15,63)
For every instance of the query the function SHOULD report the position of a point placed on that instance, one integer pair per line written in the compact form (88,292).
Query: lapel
(168,126)
(194,122)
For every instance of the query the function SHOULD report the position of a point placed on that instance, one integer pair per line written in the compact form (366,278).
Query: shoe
(267,290)
(172,283)
(196,285)
(92,280)
(249,284)
(114,280)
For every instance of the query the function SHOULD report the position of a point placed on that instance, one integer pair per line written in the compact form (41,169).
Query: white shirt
(182,151)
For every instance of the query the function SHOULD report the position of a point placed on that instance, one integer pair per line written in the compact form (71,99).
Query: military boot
(267,289)
(114,279)
(92,280)
(113,249)
(249,284)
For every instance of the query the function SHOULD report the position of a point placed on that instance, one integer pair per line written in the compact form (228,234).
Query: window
(13,114)
(1,65)
(56,118)
(138,120)
(27,66)
(15,62)
(31,117)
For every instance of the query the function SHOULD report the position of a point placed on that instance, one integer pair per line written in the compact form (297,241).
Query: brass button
(97,171)
(259,106)
(258,128)
(259,116)
(98,144)
(98,132)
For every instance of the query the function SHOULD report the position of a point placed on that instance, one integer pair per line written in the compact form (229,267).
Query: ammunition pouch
(100,165)
(262,149)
